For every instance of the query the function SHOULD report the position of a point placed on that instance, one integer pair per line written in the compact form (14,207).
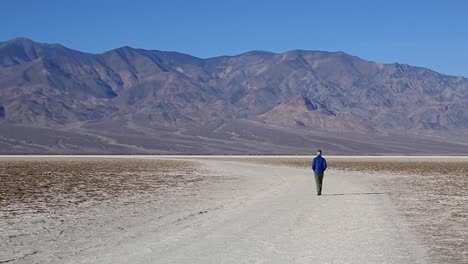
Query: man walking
(319,165)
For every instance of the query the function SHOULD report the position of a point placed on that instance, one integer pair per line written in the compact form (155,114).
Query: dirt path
(278,219)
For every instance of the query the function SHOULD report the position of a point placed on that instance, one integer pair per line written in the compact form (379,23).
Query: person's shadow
(362,193)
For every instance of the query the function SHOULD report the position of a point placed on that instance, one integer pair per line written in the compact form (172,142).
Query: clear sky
(430,33)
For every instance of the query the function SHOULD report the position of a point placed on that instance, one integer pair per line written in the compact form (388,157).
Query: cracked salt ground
(283,223)
(240,213)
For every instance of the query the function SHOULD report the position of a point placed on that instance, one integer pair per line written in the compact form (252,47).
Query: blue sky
(431,33)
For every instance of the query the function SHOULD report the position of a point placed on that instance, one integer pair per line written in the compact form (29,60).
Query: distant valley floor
(233,138)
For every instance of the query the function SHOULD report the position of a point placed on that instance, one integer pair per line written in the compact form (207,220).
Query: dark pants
(318,182)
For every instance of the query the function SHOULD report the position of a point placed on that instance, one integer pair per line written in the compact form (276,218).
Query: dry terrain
(431,192)
(56,100)
(232,209)
(54,208)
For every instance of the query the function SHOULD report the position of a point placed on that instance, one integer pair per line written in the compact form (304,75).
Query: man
(319,165)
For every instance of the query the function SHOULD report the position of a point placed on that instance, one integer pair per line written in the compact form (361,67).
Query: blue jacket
(319,164)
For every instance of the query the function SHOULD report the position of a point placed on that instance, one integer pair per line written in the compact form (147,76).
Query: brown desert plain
(232,209)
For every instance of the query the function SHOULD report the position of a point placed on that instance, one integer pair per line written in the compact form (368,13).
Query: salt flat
(240,210)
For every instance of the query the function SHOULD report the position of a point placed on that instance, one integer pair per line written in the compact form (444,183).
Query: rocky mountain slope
(57,100)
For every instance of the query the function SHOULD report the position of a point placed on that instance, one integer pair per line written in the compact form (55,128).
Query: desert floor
(232,209)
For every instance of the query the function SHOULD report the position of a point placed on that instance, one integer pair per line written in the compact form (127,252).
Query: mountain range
(134,101)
